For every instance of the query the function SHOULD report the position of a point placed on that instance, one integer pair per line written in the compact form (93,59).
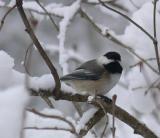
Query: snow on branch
(67,13)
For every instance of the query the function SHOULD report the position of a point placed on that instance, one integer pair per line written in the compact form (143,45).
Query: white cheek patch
(103,60)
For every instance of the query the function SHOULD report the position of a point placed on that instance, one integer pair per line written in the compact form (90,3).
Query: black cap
(113,55)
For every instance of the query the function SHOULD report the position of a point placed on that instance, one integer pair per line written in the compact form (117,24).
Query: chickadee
(97,76)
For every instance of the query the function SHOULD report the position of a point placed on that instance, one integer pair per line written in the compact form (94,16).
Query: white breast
(101,86)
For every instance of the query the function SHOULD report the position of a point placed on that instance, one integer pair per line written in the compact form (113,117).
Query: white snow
(12,103)
(45,82)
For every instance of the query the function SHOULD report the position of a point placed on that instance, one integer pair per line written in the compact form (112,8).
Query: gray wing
(87,71)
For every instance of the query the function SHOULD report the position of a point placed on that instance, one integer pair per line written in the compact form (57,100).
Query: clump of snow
(12,104)
(2,3)
(44,82)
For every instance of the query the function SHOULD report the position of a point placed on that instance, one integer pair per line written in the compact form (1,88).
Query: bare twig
(48,101)
(50,128)
(105,127)
(139,128)
(49,15)
(27,55)
(155,34)
(113,115)
(152,85)
(31,9)
(112,3)
(39,47)
(78,108)
(140,62)
(4,17)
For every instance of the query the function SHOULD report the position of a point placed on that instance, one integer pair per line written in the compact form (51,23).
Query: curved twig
(50,17)
(39,47)
(52,117)
(4,17)
(155,33)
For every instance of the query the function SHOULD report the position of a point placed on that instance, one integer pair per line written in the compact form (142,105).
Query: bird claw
(104,98)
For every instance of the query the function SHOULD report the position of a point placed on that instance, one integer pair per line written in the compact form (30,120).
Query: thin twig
(152,85)
(4,17)
(105,127)
(155,33)
(112,3)
(49,15)
(52,117)
(50,128)
(113,115)
(40,48)
(133,3)
(48,101)
(148,59)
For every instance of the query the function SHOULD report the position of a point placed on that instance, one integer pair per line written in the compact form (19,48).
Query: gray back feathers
(88,71)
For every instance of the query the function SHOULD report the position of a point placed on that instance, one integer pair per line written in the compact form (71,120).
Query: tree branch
(124,116)
(39,47)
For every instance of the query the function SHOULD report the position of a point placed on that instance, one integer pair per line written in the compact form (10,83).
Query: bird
(97,76)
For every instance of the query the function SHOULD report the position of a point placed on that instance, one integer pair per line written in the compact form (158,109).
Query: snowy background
(77,41)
